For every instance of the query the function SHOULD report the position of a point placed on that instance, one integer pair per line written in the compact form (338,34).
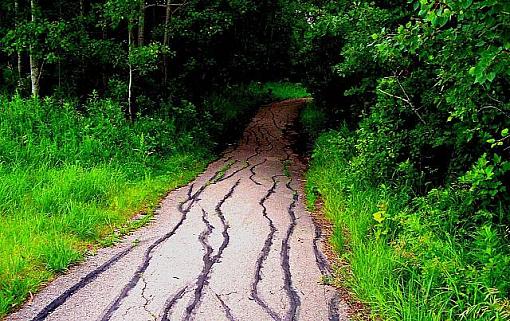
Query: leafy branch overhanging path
(236,244)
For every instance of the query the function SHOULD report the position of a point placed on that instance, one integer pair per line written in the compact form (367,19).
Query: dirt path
(236,244)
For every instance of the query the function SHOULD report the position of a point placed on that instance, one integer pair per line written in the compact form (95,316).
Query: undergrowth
(430,257)
(72,176)
(280,90)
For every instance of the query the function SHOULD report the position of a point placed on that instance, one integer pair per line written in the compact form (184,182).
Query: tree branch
(164,5)
(406,100)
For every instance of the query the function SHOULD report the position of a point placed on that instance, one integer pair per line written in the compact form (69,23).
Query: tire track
(295,301)
(264,253)
(192,198)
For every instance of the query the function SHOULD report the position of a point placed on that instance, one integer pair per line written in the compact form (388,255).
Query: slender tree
(35,72)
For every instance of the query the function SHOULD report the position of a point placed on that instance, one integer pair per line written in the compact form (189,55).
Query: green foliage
(71,178)
(418,187)
(279,90)
(433,257)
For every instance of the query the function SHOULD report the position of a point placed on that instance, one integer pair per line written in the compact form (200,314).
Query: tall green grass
(407,256)
(279,90)
(313,120)
(70,177)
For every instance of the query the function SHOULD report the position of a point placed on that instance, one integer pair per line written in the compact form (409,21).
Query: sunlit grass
(71,182)
(280,90)
(408,267)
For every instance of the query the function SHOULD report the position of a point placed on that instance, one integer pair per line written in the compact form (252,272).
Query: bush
(419,185)
(433,257)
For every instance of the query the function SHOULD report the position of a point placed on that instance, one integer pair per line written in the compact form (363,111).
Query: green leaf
(466,3)
(491,76)
(379,216)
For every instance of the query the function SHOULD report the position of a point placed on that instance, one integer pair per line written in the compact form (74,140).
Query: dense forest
(106,105)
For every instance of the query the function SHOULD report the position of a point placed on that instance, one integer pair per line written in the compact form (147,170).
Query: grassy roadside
(71,181)
(53,216)
(71,178)
(404,256)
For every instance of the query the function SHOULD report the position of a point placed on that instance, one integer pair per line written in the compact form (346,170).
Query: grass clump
(280,90)
(313,120)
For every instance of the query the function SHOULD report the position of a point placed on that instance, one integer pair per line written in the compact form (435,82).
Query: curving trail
(236,244)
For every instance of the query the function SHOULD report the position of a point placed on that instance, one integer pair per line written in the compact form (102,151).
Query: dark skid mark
(91,276)
(171,302)
(148,253)
(273,118)
(264,254)
(208,261)
(333,308)
(245,166)
(252,170)
(226,308)
(295,301)
(325,269)
(261,135)
(320,259)
(257,153)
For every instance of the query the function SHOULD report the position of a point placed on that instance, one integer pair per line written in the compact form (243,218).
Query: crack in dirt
(246,165)
(264,253)
(226,308)
(192,198)
(273,118)
(295,301)
(147,301)
(252,170)
(208,261)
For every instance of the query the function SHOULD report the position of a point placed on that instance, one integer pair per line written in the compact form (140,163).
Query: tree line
(140,51)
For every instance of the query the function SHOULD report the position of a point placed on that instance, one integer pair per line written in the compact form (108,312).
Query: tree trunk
(141,24)
(34,67)
(130,82)
(18,53)
(59,53)
(165,41)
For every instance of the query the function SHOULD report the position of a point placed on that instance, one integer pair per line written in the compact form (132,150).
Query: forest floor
(235,244)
